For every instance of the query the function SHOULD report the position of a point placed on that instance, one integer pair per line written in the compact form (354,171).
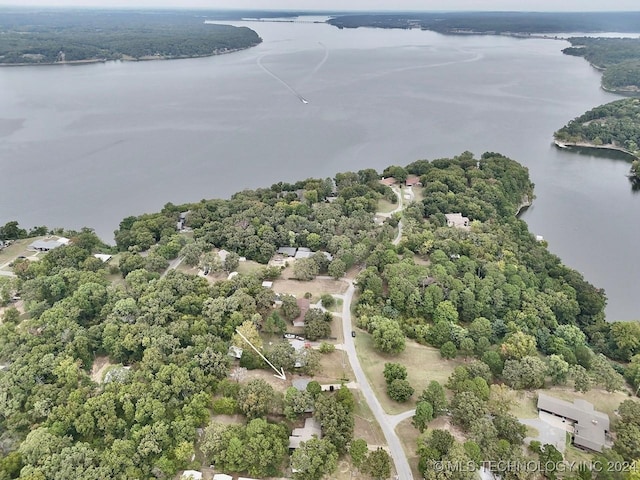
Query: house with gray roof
(311,429)
(287,251)
(590,427)
(457,220)
(48,244)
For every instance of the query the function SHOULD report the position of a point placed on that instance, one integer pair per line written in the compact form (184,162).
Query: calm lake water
(89,145)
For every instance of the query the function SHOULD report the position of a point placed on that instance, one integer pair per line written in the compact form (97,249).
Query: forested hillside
(618,57)
(32,37)
(488,291)
(616,124)
(495,22)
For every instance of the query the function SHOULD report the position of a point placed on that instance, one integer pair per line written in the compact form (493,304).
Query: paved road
(173,264)
(385,421)
(394,420)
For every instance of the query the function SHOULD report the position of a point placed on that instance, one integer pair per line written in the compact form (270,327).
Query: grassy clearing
(385,206)
(337,307)
(317,287)
(334,367)
(100,365)
(249,267)
(366,426)
(16,249)
(409,435)
(532,432)
(523,404)
(573,454)
(423,365)
(418,194)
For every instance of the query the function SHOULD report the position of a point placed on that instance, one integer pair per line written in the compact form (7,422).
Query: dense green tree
(256,398)
(358,451)
(282,355)
(305,269)
(378,464)
(527,373)
(394,371)
(627,441)
(314,459)
(423,415)
(550,457)
(557,369)
(336,419)
(388,336)
(290,309)
(448,350)
(400,390)
(274,324)
(465,407)
(436,396)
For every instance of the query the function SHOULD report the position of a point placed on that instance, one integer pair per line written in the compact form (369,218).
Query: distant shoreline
(124,59)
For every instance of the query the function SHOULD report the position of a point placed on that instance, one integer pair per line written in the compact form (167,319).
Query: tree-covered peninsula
(493,23)
(619,58)
(119,367)
(49,37)
(615,125)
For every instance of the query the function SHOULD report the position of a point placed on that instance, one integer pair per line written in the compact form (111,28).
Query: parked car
(353,333)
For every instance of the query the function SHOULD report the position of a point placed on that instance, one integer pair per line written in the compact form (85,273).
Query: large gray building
(590,427)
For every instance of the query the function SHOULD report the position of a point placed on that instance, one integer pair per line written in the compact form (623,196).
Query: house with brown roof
(389,181)
(303,305)
(413,180)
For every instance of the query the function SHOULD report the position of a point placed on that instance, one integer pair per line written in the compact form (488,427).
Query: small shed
(191,475)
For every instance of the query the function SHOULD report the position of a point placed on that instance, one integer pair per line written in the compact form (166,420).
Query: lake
(88,145)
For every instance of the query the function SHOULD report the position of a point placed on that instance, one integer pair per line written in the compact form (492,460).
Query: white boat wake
(276,77)
(322,62)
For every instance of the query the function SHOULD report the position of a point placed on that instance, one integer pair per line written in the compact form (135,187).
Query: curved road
(387,423)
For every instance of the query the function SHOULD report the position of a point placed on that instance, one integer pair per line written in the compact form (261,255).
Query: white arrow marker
(279,373)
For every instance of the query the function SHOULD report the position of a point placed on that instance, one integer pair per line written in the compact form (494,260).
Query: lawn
(423,363)
(385,206)
(249,266)
(524,404)
(316,288)
(409,435)
(334,367)
(366,426)
(418,194)
(18,248)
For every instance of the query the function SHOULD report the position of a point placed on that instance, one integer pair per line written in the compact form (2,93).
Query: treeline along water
(90,145)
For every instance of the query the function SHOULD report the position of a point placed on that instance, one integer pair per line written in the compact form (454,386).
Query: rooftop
(388,181)
(591,427)
(311,429)
(412,180)
(457,220)
(47,244)
(192,474)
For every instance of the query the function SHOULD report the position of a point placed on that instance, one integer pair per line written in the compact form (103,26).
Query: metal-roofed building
(590,427)
(287,251)
(48,244)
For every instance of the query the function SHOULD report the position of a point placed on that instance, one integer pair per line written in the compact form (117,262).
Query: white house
(48,244)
